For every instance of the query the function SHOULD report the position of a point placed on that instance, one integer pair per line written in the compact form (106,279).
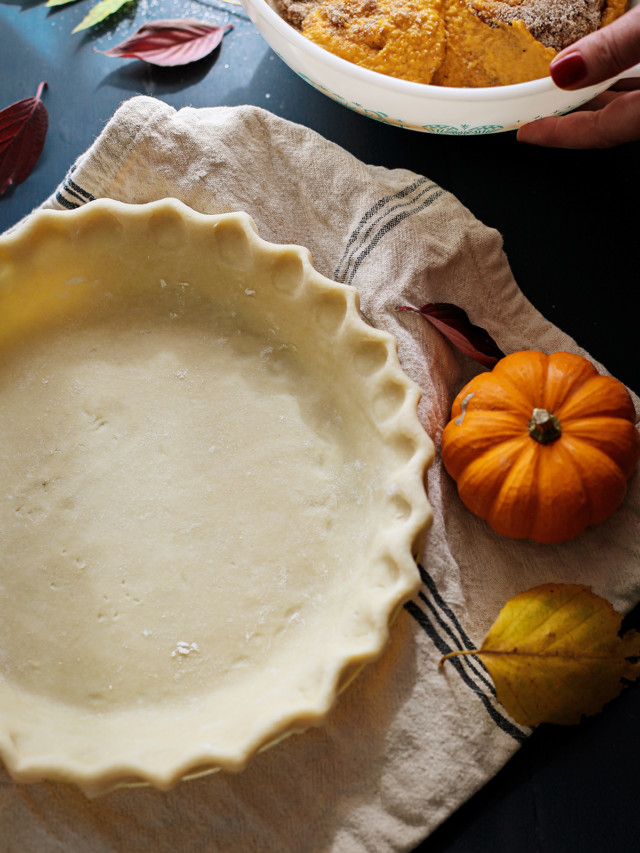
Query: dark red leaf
(454,323)
(171,42)
(23,128)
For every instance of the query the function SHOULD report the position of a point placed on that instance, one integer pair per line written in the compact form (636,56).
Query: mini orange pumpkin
(542,446)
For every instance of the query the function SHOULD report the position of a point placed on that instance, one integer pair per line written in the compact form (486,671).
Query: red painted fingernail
(568,70)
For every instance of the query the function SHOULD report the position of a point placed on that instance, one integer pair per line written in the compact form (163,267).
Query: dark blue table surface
(570,227)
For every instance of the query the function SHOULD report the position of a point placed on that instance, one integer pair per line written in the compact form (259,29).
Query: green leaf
(99,12)
(58,2)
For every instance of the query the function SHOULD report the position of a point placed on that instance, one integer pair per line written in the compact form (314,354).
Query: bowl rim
(409,88)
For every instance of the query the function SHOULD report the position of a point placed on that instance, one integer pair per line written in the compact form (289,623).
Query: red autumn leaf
(170,42)
(23,128)
(454,323)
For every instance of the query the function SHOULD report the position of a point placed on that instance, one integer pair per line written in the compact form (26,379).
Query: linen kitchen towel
(408,742)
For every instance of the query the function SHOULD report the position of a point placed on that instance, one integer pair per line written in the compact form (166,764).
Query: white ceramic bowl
(431,109)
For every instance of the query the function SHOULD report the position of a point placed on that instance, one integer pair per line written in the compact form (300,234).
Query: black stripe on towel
(377,207)
(441,625)
(71,195)
(379,220)
(452,626)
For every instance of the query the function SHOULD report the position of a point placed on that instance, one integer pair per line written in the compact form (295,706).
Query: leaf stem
(455,654)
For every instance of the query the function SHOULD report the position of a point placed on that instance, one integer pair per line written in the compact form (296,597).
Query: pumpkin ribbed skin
(552,491)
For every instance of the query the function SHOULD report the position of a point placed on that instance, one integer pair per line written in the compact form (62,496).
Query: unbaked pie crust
(212,493)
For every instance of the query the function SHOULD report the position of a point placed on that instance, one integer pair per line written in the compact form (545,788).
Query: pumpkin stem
(544,426)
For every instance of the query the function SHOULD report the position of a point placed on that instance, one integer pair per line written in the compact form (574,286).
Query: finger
(600,101)
(616,123)
(626,84)
(600,55)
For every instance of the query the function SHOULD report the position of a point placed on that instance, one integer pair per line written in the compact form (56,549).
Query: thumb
(600,55)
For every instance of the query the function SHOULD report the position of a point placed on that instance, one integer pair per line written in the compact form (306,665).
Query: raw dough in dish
(212,486)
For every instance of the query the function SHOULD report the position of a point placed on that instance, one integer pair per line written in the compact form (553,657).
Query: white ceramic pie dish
(416,106)
(213,492)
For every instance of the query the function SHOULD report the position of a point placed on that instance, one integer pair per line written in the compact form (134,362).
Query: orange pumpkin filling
(467,43)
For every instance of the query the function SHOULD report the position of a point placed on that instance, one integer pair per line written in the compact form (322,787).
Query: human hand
(613,117)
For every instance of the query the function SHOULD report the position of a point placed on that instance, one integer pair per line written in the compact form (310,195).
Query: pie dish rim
(401,423)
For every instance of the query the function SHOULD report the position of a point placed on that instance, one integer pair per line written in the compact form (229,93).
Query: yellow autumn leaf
(555,654)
